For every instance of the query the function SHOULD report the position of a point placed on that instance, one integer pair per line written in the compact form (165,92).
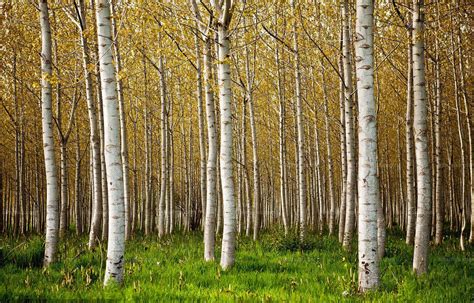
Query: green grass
(274,269)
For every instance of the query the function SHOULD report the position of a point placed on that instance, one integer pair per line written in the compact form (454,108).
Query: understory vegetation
(276,268)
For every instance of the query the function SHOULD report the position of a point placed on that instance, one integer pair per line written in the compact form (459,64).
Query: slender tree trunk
(164,148)
(123,122)
(437,130)
(211,166)
(52,216)
(349,129)
(411,202)
(282,142)
(300,132)
(116,232)
(342,208)
(147,223)
(368,183)
(423,174)
(226,165)
(103,180)
(202,132)
(96,215)
(253,130)
(77,186)
(332,202)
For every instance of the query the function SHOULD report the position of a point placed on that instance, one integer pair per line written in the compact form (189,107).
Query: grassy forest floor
(274,269)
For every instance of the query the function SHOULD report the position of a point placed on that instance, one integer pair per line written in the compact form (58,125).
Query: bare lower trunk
(113,160)
(349,129)
(52,218)
(300,133)
(226,165)
(368,183)
(411,202)
(332,202)
(423,174)
(437,130)
(123,124)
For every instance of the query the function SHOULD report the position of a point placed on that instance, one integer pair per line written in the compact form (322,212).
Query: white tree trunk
(226,165)
(300,131)
(211,166)
(164,148)
(253,130)
(201,125)
(123,124)
(349,129)
(282,142)
(423,174)
(113,161)
(368,183)
(342,208)
(210,224)
(332,202)
(411,202)
(94,135)
(52,199)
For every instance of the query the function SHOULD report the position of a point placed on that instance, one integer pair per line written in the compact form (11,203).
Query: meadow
(274,269)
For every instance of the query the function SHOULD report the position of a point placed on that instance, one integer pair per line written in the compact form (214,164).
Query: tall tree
(299,129)
(123,122)
(349,128)
(423,172)
(52,213)
(113,161)
(224,10)
(368,183)
(211,166)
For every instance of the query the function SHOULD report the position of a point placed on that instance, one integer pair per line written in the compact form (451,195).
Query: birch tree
(423,173)
(224,10)
(123,122)
(299,130)
(81,22)
(368,183)
(52,199)
(349,128)
(113,161)
(211,166)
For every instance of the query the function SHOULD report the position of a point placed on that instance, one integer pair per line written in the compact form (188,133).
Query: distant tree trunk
(247,196)
(332,202)
(300,131)
(164,147)
(116,232)
(250,74)
(77,186)
(368,183)
(52,216)
(320,181)
(423,174)
(282,142)
(411,202)
(147,222)
(202,133)
(437,130)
